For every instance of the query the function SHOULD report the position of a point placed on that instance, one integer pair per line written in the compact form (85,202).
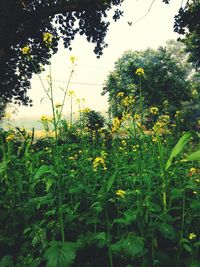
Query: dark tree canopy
(23,22)
(187,23)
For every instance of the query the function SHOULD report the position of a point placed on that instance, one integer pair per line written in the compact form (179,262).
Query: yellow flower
(72,59)
(120,94)
(155,139)
(128,100)
(136,116)
(139,72)
(178,113)
(192,171)
(116,124)
(26,50)
(71,93)
(58,105)
(99,161)
(123,142)
(120,193)
(10,137)
(192,236)
(154,110)
(47,38)
(86,110)
(45,119)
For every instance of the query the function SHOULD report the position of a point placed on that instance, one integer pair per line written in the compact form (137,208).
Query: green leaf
(187,247)
(61,255)
(110,182)
(6,261)
(132,246)
(35,263)
(178,148)
(194,156)
(195,205)
(167,231)
(129,217)
(44,169)
(101,239)
(177,193)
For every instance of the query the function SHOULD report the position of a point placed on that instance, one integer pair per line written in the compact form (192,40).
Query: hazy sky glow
(152,31)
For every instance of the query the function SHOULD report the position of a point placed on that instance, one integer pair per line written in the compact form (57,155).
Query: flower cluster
(139,72)
(128,100)
(47,38)
(45,119)
(99,161)
(120,94)
(153,110)
(120,193)
(192,236)
(10,137)
(26,50)
(116,124)
(162,124)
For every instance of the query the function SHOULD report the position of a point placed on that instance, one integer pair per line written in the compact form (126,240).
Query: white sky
(153,30)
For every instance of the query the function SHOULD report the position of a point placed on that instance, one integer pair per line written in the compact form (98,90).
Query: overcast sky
(90,73)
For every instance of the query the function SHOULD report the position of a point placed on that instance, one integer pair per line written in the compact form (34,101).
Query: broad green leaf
(178,148)
(176,193)
(35,263)
(195,205)
(44,169)
(6,261)
(129,217)
(101,239)
(194,156)
(167,231)
(61,255)
(187,247)
(132,246)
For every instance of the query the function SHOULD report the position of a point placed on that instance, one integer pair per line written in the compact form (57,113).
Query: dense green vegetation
(124,194)
(91,192)
(121,197)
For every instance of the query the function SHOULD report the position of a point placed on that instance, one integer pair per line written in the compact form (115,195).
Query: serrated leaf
(178,148)
(132,246)
(194,156)
(129,217)
(61,255)
(167,231)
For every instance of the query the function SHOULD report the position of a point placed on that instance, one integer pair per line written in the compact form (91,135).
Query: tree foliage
(187,23)
(23,22)
(94,120)
(166,80)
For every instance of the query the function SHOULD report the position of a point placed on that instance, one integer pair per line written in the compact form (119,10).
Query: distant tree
(23,22)
(166,80)
(187,23)
(94,120)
